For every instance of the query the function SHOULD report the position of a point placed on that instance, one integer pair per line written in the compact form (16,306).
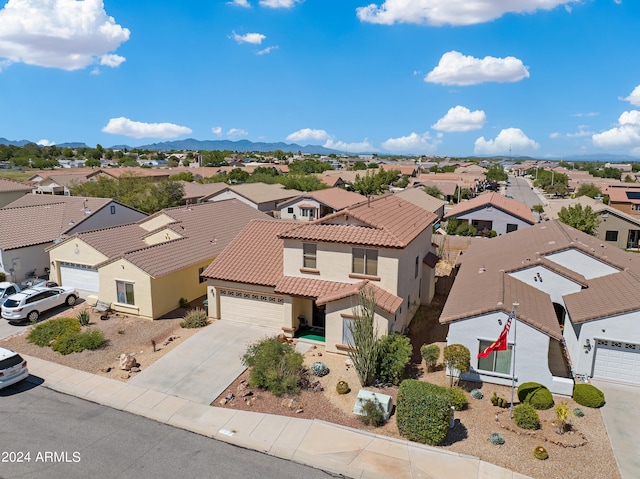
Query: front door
(318,320)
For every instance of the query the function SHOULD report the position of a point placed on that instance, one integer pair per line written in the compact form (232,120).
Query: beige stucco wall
(611,222)
(122,270)
(214,298)
(7,197)
(161,236)
(167,290)
(155,223)
(72,251)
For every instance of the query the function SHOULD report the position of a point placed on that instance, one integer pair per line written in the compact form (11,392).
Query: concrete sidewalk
(326,446)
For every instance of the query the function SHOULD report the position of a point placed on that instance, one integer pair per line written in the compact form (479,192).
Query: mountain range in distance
(191,144)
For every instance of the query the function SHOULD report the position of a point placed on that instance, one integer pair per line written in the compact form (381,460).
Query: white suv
(31,302)
(12,368)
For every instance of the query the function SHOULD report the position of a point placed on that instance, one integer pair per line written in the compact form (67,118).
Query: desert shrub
(577,412)
(588,395)
(342,387)
(83,317)
(183,303)
(74,342)
(3,276)
(458,398)
(319,369)
(46,332)
(275,366)
(394,354)
(422,411)
(457,359)
(526,416)
(498,400)
(535,394)
(540,453)
(563,413)
(430,353)
(196,318)
(476,394)
(372,413)
(496,439)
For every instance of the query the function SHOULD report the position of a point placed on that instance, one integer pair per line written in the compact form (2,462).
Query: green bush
(430,353)
(46,332)
(457,359)
(73,342)
(526,416)
(535,394)
(458,398)
(183,303)
(83,317)
(394,354)
(423,411)
(498,400)
(373,414)
(588,395)
(275,366)
(196,318)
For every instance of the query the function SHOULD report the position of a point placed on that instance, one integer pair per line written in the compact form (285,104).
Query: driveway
(203,366)
(621,415)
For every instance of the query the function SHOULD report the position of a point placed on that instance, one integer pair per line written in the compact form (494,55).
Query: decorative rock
(127,361)
(222,402)
(125,376)
(287,403)
(348,363)
(298,411)
(245,394)
(229,396)
(135,369)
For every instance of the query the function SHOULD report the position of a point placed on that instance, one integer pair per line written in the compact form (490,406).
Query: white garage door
(252,307)
(80,277)
(617,360)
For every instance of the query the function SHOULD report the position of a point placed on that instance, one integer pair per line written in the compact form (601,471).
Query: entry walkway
(203,366)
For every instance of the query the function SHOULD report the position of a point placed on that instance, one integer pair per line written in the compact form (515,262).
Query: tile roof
(624,195)
(496,200)
(384,300)
(259,192)
(65,180)
(9,185)
(199,190)
(255,256)
(387,221)
(336,198)
(419,197)
(483,283)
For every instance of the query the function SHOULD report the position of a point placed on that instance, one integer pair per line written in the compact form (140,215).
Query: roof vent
(482,269)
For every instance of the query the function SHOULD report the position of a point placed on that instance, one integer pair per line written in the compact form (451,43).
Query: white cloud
(267,50)
(253,38)
(460,118)
(455,68)
(452,12)
(65,34)
(308,134)
(589,114)
(279,3)
(237,133)
(634,97)
(580,133)
(45,142)
(626,135)
(216,130)
(509,140)
(136,129)
(412,143)
(240,3)
(356,147)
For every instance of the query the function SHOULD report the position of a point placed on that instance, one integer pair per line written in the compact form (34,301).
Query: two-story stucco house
(298,277)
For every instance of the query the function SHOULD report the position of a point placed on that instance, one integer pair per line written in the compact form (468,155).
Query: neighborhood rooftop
(495,200)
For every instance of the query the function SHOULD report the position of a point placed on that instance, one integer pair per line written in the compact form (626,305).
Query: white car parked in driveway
(12,368)
(31,302)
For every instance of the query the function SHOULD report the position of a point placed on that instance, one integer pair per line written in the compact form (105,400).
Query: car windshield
(11,303)
(10,361)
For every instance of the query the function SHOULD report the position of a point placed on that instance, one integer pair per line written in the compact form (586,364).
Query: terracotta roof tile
(259,192)
(336,198)
(495,200)
(384,300)
(31,225)
(418,197)
(254,256)
(9,185)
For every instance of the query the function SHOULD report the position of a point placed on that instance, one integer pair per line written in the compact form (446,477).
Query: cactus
(476,394)
(342,387)
(577,412)
(498,401)
(496,439)
(320,369)
(540,453)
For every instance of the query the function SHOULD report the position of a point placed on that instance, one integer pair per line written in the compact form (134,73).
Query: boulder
(127,362)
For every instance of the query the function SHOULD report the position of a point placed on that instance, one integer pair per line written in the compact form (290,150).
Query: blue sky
(546,78)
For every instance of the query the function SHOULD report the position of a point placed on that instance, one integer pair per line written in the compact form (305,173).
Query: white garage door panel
(80,277)
(617,360)
(263,311)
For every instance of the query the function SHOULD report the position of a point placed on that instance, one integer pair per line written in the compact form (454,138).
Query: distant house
(492,211)
(39,221)
(576,308)
(11,191)
(318,204)
(194,192)
(625,199)
(418,197)
(145,268)
(261,196)
(59,184)
(305,278)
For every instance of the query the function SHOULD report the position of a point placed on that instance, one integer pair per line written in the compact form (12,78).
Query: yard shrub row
(423,411)
(64,336)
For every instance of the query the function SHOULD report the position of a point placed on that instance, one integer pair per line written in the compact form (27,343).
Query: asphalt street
(49,435)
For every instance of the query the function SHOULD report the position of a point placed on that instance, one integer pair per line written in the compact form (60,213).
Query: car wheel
(71,300)
(33,316)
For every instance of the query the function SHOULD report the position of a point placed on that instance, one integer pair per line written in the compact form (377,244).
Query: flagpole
(513,362)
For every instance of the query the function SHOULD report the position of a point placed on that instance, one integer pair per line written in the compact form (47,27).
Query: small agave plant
(496,439)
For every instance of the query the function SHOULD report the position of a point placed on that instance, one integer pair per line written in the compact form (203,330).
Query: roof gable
(496,200)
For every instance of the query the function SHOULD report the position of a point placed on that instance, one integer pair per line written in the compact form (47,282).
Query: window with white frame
(496,361)
(307,212)
(365,261)
(124,291)
(309,255)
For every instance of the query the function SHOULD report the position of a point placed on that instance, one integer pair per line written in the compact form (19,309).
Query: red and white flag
(499,344)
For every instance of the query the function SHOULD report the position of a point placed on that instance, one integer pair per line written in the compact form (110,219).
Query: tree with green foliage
(583,219)
(308,166)
(302,182)
(359,165)
(588,189)
(365,346)
(457,360)
(374,183)
(237,175)
(393,356)
(92,163)
(433,191)
(182,176)
(496,173)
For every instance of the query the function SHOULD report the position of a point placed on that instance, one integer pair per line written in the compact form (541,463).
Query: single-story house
(317,204)
(576,308)
(36,222)
(493,211)
(261,196)
(305,278)
(145,268)
(419,197)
